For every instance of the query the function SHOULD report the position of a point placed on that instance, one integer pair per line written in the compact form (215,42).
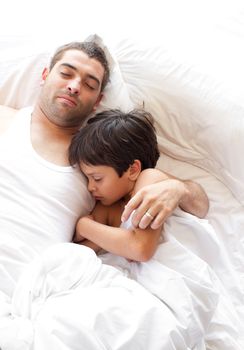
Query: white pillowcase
(20,79)
(197,120)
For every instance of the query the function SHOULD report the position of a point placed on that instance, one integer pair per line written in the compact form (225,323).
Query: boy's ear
(135,170)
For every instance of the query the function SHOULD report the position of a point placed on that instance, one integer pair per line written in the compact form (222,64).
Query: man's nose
(74,87)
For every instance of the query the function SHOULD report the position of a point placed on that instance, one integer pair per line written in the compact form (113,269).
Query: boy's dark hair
(114,138)
(92,50)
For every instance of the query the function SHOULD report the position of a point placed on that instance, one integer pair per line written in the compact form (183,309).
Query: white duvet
(68,298)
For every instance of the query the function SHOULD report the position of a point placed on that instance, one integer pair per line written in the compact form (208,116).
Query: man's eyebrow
(68,65)
(90,76)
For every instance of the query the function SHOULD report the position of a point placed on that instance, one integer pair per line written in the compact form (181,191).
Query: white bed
(192,84)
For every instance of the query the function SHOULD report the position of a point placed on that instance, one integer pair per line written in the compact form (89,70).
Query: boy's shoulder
(148,177)
(153,174)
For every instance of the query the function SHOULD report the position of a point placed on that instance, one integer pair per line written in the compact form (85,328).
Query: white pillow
(20,84)
(197,119)
(20,78)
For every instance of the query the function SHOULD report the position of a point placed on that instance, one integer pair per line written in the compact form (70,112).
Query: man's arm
(162,197)
(195,199)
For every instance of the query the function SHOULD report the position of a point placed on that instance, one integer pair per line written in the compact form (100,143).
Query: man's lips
(68,100)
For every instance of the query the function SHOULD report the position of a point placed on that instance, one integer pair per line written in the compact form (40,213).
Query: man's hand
(154,203)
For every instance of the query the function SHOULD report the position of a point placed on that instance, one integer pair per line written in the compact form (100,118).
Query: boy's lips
(98,198)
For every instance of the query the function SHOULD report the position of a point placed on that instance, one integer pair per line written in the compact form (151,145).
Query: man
(41,196)
(72,89)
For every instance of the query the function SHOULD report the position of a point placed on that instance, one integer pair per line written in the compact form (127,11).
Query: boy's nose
(91,186)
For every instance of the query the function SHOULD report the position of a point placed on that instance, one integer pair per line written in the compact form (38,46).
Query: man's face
(72,89)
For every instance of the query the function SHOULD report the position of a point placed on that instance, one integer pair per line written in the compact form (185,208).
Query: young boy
(117,153)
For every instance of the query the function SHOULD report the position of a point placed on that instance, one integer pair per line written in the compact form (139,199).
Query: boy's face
(105,184)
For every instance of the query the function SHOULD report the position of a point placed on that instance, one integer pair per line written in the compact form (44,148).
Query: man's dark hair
(114,138)
(90,48)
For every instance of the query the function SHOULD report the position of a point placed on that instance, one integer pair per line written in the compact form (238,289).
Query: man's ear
(135,170)
(97,102)
(44,75)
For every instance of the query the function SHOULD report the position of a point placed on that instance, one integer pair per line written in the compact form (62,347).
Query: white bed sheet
(223,248)
(191,81)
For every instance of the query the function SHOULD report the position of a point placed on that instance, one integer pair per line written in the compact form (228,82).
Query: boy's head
(116,139)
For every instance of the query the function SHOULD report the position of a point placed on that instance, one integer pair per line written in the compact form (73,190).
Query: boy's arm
(90,244)
(99,214)
(162,196)
(135,244)
(79,239)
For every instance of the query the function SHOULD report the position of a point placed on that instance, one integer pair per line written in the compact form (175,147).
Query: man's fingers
(143,216)
(130,206)
(147,211)
(126,213)
(154,221)
(160,218)
(146,220)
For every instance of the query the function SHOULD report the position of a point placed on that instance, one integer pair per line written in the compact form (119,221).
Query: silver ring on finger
(149,215)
